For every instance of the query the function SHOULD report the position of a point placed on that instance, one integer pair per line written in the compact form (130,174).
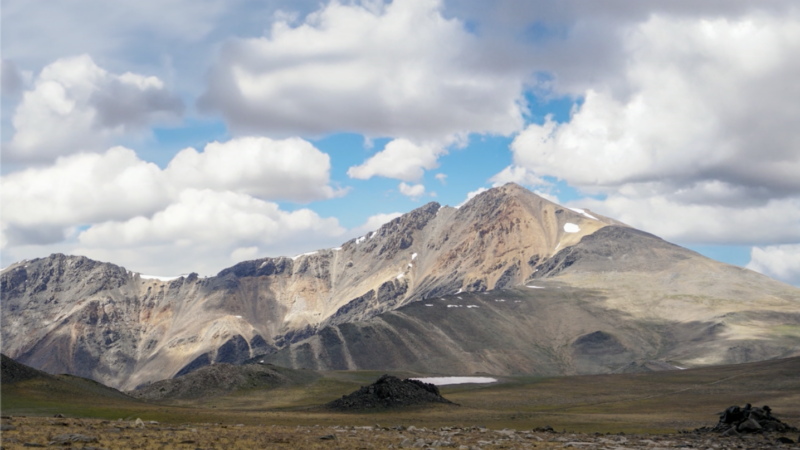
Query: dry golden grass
(290,417)
(113,435)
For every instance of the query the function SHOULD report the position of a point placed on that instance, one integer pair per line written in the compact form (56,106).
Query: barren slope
(620,300)
(98,320)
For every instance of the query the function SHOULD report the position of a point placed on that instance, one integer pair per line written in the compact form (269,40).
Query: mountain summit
(72,314)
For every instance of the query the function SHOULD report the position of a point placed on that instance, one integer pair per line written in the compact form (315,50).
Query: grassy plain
(656,402)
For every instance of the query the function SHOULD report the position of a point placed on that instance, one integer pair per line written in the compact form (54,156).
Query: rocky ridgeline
(748,420)
(389,392)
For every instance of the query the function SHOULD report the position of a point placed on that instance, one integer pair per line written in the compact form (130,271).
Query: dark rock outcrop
(736,420)
(389,392)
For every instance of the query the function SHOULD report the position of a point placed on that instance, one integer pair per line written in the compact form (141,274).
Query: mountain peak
(505,195)
(513,188)
(75,315)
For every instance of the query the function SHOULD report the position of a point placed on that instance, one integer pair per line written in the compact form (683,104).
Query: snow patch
(238,317)
(262,264)
(413,256)
(459,291)
(444,381)
(303,254)
(581,211)
(361,239)
(428,304)
(571,228)
(410,265)
(401,276)
(455,306)
(373,234)
(157,277)
(336,249)
(500,300)
(535,287)
(472,306)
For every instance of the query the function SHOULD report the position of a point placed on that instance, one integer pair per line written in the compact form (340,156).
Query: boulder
(71,438)
(750,425)
(731,432)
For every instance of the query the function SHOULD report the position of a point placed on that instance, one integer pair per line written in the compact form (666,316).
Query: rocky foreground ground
(26,432)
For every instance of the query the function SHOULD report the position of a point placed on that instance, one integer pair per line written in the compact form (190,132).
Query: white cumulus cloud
(414,191)
(40,204)
(693,137)
(777,221)
(244,254)
(76,106)
(43,204)
(205,216)
(400,159)
(273,169)
(396,69)
(203,229)
(781,262)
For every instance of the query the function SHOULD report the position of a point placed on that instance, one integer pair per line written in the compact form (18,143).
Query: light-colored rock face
(619,301)
(71,314)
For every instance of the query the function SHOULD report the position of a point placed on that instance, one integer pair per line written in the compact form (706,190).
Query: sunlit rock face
(71,314)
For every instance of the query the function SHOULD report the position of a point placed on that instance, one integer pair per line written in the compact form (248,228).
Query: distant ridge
(55,388)
(220,379)
(12,372)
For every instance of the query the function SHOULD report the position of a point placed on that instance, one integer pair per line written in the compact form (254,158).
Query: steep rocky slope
(620,300)
(98,320)
(71,314)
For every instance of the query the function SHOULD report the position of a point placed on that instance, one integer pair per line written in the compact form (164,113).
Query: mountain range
(509,283)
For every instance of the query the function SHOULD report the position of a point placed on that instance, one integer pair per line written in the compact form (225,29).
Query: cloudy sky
(186,135)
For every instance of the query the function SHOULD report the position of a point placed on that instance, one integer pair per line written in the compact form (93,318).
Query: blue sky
(189,135)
